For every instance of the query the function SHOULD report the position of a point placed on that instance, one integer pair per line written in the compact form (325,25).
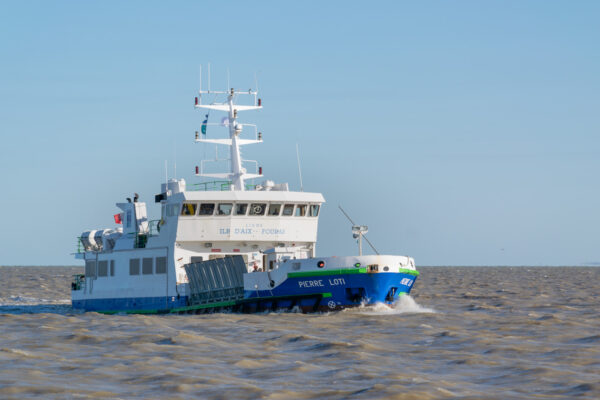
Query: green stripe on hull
(409,271)
(327,272)
(343,272)
(203,306)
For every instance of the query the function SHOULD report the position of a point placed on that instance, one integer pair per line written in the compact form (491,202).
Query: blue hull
(308,293)
(340,290)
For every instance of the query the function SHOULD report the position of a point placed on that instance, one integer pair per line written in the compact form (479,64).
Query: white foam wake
(404,305)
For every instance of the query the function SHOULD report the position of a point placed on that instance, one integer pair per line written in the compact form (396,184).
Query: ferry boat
(227,244)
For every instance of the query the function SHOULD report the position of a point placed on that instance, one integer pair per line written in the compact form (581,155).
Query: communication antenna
(299,169)
(359,232)
(256,84)
(175,162)
(208,77)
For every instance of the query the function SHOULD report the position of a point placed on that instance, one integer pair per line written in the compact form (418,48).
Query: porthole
(386,268)
(321,264)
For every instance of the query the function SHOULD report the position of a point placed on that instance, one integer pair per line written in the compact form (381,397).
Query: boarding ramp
(216,280)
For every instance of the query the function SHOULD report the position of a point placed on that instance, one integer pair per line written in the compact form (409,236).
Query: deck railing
(218,186)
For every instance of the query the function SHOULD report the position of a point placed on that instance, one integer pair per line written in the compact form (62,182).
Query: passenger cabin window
(189,209)
(274,210)
(207,209)
(258,209)
(134,266)
(161,265)
(240,209)
(147,266)
(90,269)
(224,209)
(112,267)
(288,210)
(313,210)
(300,210)
(103,268)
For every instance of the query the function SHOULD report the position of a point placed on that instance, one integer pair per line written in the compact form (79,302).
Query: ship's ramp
(216,280)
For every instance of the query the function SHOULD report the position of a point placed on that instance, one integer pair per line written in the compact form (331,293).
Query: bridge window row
(100,269)
(251,209)
(149,266)
(105,268)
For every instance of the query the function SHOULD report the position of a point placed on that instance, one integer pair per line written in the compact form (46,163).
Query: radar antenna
(359,232)
(238,174)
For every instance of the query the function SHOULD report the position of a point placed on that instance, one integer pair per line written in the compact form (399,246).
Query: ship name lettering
(273,231)
(313,283)
(337,281)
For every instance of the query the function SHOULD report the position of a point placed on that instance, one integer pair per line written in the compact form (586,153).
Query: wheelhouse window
(274,210)
(300,210)
(258,208)
(207,209)
(189,209)
(288,210)
(313,210)
(224,208)
(241,209)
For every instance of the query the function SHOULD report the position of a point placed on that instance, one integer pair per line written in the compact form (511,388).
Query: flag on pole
(204,123)
(118,219)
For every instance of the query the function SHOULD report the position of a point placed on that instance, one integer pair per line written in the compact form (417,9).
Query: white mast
(238,173)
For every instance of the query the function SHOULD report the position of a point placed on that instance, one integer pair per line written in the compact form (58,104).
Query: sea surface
(464,333)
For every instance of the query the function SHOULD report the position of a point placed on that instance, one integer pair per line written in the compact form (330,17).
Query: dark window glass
(288,210)
(112,267)
(90,269)
(102,268)
(313,210)
(189,209)
(161,265)
(274,210)
(240,209)
(207,209)
(147,266)
(300,210)
(134,266)
(257,209)
(224,209)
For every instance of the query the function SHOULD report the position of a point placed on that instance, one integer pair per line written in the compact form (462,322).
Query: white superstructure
(145,259)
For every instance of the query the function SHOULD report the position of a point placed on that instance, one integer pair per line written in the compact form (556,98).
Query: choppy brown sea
(464,333)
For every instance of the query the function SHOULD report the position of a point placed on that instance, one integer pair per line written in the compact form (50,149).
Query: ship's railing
(78,282)
(218,186)
(80,248)
(154,227)
(141,239)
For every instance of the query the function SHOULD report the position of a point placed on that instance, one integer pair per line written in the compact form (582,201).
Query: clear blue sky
(462,133)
